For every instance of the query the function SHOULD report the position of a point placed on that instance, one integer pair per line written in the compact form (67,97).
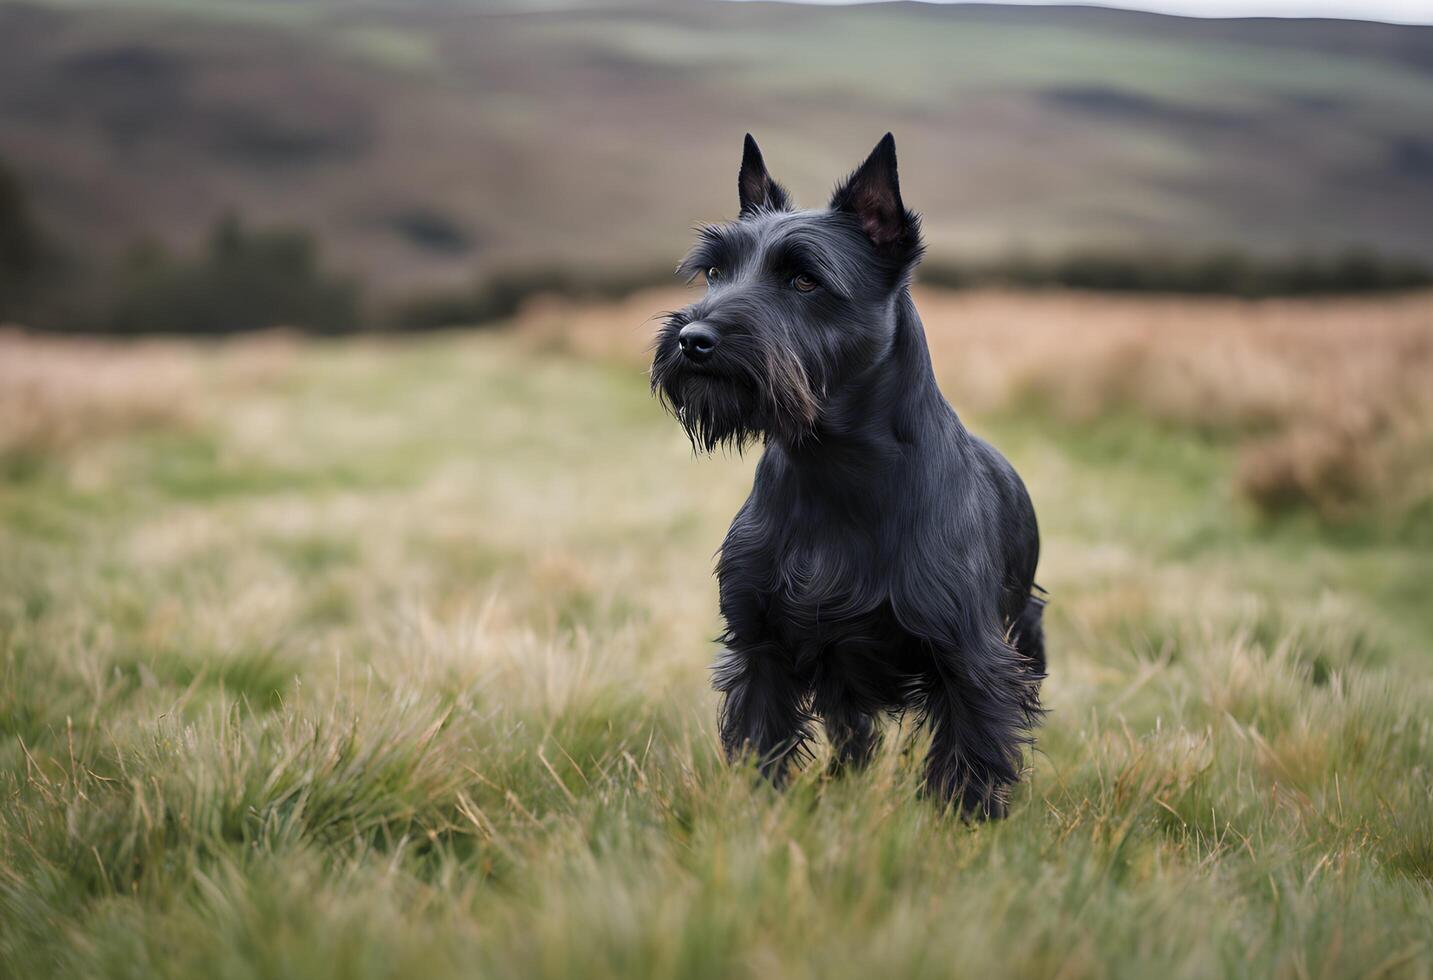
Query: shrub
(21,250)
(244,281)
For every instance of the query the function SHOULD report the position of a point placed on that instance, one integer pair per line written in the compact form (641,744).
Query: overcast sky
(1397,11)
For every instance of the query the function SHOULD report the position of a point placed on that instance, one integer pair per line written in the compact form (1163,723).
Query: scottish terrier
(885,559)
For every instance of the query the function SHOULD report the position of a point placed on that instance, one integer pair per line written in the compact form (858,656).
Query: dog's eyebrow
(711,249)
(808,253)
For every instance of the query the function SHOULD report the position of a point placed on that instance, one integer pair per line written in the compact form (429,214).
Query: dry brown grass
(57,393)
(1331,401)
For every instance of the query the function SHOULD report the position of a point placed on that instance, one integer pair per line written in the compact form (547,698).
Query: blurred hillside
(426,142)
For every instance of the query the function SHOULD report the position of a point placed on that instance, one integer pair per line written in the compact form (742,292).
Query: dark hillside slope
(426,142)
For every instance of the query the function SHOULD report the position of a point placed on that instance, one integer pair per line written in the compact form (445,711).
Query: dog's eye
(713,274)
(803,283)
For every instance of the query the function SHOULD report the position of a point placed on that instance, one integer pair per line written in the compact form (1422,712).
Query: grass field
(382,659)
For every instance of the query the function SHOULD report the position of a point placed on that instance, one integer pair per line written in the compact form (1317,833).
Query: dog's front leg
(763,708)
(848,719)
(981,704)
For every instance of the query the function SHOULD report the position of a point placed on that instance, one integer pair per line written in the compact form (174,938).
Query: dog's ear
(754,186)
(873,194)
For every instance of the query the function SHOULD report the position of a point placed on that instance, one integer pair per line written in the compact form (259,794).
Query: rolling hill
(426,142)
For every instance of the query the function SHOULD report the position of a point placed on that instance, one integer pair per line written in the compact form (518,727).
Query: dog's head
(797,304)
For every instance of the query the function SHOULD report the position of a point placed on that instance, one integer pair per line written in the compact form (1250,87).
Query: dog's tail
(1029,632)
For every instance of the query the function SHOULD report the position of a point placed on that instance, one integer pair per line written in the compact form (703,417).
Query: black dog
(885,558)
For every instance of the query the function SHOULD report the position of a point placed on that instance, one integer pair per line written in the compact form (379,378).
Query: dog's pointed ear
(754,186)
(873,194)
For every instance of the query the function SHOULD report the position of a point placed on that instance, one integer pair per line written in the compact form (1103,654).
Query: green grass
(391,663)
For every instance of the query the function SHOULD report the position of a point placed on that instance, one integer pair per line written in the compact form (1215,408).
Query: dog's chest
(806,588)
(817,622)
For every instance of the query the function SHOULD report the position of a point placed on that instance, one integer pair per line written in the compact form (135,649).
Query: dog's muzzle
(697,341)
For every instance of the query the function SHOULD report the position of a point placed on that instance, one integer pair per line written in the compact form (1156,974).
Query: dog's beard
(714,412)
(756,391)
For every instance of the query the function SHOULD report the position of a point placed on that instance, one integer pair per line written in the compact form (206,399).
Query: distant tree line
(242,280)
(501,294)
(245,279)
(1227,272)
(239,279)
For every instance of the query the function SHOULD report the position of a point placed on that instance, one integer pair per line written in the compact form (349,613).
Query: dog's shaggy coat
(885,559)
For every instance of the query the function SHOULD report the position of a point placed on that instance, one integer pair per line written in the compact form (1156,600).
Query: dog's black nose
(697,341)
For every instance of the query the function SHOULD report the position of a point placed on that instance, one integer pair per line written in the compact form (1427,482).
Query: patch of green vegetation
(391,47)
(314,553)
(329,605)
(21,466)
(259,677)
(46,508)
(1171,484)
(195,467)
